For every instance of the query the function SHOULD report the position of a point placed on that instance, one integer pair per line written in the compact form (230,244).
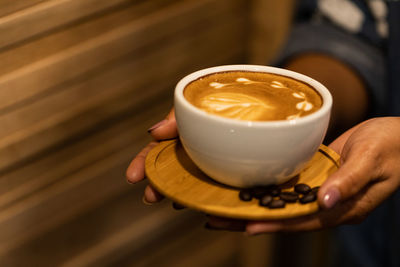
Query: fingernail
(157,125)
(146,202)
(131,177)
(332,196)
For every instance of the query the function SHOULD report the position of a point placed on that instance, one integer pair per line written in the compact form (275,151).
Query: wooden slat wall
(45,76)
(80,82)
(270,25)
(48,15)
(11,6)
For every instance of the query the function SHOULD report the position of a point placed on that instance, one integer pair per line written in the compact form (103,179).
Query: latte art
(234,105)
(253,96)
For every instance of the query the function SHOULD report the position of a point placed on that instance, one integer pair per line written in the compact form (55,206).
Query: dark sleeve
(305,10)
(394,57)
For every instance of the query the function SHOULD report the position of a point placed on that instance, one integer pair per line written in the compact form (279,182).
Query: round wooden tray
(173,174)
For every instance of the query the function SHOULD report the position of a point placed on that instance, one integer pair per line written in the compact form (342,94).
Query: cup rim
(320,88)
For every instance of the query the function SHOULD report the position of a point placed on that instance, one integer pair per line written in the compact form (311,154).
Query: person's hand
(369,174)
(165,129)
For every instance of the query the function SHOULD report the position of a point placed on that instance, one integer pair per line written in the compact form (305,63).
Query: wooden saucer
(173,174)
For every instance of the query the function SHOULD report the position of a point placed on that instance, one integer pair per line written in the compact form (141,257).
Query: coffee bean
(245,194)
(302,189)
(308,198)
(277,204)
(265,200)
(274,190)
(259,191)
(315,189)
(289,196)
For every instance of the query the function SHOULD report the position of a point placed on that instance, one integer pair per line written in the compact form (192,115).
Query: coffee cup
(243,145)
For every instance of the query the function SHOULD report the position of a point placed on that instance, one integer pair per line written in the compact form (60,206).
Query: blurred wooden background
(80,83)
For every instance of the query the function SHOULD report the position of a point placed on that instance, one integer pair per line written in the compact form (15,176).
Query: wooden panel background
(80,82)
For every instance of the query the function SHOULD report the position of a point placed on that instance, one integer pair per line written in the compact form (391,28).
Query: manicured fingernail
(332,196)
(132,177)
(146,202)
(157,125)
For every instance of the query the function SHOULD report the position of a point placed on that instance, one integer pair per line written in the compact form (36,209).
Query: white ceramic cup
(250,153)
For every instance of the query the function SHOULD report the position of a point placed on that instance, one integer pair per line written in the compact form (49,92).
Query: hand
(165,129)
(369,173)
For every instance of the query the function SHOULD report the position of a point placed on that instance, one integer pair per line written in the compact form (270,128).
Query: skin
(370,157)
(349,108)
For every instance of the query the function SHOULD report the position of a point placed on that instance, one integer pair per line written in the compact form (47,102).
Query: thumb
(165,129)
(357,171)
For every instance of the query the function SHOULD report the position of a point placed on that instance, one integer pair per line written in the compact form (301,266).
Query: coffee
(253,96)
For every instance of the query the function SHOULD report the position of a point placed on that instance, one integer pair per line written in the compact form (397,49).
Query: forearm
(350,97)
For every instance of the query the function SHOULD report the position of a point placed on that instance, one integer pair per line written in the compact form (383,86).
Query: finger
(219,223)
(320,220)
(151,195)
(307,223)
(135,171)
(360,167)
(165,129)
(316,221)
(351,211)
